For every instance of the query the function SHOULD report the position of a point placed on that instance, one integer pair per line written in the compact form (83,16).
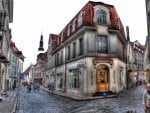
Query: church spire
(41,44)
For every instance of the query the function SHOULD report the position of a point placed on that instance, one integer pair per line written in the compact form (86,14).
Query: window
(74,50)
(102,45)
(59,40)
(80,19)
(149,17)
(2,20)
(61,61)
(74,78)
(68,31)
(121,75)
(57,59)
(81,46)
(59,80)
(114,77)
(68,52)
(62,36)
(74,25)
(101,16)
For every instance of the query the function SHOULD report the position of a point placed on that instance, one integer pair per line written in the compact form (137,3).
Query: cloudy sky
(33,17)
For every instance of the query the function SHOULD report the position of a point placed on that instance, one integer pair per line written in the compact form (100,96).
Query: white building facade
(147,44)
(6,17)
(89,55)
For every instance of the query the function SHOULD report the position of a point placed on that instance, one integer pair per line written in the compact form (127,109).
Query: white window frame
(80,19)
(68,30)
(74,25)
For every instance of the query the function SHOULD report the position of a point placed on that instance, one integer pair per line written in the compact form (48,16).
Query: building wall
(147,44)
(148,15)
(139,61)
(75,72)
(6,10)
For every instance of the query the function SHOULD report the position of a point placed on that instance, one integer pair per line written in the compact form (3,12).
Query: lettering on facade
(81,63)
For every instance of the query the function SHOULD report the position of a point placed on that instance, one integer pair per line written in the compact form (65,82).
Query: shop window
(59,80)
(74,78)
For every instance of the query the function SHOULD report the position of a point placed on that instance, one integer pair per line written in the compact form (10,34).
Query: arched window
(101,16)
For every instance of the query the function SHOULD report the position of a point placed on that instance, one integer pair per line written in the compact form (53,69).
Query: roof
(87,15)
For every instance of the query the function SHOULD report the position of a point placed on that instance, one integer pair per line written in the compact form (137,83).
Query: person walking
(146,99)
(38,88)
(34,87)
(29,87)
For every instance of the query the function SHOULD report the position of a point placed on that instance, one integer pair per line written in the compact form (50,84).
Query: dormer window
(59,39)
(68,30)
(101,16)
(74,25)
(80,19)
(62,36)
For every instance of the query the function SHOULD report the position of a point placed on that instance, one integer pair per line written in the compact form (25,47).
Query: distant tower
(41,44)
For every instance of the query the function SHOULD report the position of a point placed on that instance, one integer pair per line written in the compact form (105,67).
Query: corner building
(89,54)
(147,44)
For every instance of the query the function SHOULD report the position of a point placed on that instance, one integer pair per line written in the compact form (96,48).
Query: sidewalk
(8,103)
(76,97)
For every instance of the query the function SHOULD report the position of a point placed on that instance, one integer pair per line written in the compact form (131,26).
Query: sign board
(21,76)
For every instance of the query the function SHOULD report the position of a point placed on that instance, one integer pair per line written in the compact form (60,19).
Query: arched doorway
(102,78)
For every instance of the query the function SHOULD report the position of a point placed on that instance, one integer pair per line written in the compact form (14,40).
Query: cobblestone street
(42,102)
(8,102)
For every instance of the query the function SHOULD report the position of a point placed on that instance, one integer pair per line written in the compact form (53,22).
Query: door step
(104,93)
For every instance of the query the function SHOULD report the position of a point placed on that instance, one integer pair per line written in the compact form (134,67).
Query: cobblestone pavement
(43,102)
(7,104)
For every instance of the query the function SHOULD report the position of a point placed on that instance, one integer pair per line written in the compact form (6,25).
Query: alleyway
(42,102)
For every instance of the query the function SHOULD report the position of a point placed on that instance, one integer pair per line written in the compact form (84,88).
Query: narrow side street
(42,102)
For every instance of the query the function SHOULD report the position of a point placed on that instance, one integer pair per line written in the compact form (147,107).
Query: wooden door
(102,80)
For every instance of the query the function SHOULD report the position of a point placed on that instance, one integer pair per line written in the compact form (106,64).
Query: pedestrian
(146,99)
(49,86)
(34,87)
(38,88)
(29,87)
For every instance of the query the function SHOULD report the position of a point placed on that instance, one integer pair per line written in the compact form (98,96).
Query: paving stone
(43,102)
